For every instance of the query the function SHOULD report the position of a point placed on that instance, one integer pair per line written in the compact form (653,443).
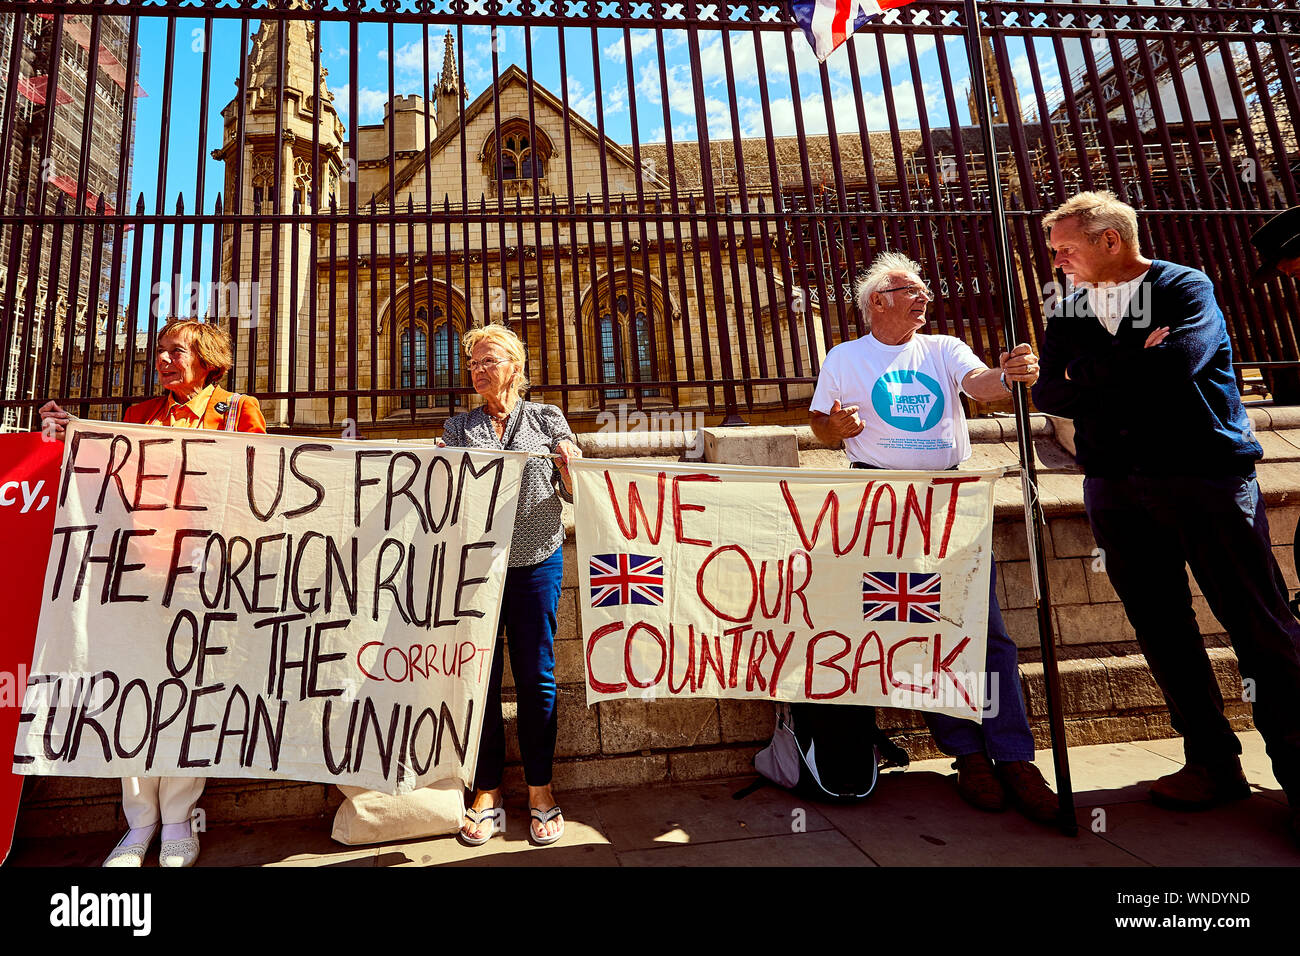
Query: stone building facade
(508,208)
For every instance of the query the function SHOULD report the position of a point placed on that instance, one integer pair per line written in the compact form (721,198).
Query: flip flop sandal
(544,817)
(478,818)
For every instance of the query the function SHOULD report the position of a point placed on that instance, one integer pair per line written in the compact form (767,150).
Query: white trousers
(147,799)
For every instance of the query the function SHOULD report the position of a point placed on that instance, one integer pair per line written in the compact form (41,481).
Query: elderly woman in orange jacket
(192,358)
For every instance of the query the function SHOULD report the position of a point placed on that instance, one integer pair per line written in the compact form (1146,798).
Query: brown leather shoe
(1029,792)
(1198,787)
(977,783)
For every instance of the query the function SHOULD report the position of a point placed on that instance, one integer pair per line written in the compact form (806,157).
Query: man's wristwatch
(1003,379)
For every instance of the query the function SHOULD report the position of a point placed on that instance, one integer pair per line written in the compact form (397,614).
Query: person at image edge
(1138,356)
(192,359)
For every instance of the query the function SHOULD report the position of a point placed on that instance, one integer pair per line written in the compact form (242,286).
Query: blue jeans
(527,627)
(1004,735)
(1148,528)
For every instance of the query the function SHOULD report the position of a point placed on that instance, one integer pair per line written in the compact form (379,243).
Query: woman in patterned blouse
(532,590)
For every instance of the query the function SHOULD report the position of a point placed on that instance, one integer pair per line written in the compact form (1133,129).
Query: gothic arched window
(302,192)
(415,366)
(446,356)
(611,350)
(629,346)
(415,360)
(516,156)
(263,181)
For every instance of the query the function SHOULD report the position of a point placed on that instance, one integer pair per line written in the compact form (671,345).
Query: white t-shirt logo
(907,396)
(912,401)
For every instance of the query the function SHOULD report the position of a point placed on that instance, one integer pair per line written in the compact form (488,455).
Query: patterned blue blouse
(538,528)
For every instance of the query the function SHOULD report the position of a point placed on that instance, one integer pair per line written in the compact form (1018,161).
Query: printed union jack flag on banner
(828,23)
(900,596)
(626,579)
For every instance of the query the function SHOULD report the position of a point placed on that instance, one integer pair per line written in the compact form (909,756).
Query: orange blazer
(250,412)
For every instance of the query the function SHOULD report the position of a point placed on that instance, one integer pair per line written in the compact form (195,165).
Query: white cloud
(777,47)
(844,110)
(409,57)
(408,65)
(581,101)
(744,60)
(615,100)
(370,102)
(864,47)
(1025,82)
(478,64)
(648,84)
(510,48)
(681,101)
(641,40)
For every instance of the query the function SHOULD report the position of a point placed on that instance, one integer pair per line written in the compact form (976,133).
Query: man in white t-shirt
(893,398)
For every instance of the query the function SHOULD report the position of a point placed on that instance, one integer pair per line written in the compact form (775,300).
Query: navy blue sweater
(1173,409)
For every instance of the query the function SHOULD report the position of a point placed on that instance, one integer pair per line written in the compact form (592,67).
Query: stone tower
(1003,95)
(256,294)
(450,93)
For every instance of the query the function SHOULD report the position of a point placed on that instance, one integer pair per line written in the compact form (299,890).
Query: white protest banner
(227,604)
(865,587)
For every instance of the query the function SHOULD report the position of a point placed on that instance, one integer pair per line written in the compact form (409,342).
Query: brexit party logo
(908,400)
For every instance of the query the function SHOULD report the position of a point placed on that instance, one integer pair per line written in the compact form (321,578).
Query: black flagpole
(1028,473)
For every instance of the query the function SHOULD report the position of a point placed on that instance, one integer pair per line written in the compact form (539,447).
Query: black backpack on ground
(828,752)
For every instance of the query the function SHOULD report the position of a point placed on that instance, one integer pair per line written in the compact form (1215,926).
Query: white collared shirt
(1110,301)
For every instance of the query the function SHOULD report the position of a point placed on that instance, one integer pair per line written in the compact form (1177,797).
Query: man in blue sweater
(1138,355)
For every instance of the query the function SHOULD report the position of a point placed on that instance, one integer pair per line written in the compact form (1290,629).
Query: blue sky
(512,43)
(408,66)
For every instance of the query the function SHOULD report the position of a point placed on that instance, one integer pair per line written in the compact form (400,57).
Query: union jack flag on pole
(828,23)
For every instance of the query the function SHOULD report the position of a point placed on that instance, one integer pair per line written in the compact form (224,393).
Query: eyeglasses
(486,365)
(915,291)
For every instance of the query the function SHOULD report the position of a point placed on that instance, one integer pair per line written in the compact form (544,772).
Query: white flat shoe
(179,853)
(130,854)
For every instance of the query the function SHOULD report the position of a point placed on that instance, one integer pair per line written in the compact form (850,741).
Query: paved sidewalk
(914,818)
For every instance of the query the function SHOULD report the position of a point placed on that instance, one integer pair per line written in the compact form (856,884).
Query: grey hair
(1096,212)
(877,275)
